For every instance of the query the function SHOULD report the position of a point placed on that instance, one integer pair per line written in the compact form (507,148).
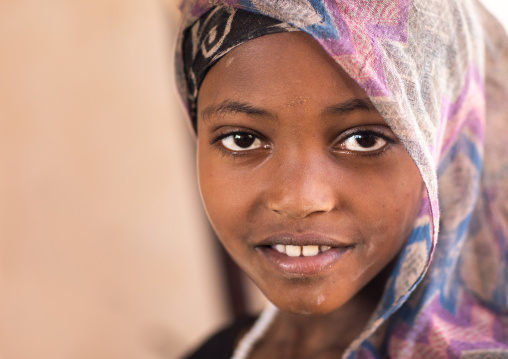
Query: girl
(342,163)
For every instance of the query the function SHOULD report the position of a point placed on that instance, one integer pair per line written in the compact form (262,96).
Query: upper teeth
(296,251)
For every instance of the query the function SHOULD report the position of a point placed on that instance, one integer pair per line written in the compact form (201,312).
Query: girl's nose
(302,187)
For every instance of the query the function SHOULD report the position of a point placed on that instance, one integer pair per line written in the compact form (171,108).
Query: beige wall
(104,250)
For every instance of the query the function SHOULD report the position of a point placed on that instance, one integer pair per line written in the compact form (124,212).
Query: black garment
(222,344)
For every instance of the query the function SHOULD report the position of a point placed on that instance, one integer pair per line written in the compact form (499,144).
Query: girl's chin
(315,306)
(307,310)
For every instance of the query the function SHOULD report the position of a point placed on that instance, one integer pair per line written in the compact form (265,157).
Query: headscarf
(218,32)
(423,64)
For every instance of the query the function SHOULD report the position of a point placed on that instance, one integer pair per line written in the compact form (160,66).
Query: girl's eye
(241,142)
(364,142)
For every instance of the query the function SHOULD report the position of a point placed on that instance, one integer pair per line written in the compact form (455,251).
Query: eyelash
(343,137)
(366,132)
(228,153)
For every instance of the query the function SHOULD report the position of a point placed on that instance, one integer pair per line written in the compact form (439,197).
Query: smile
(302,255)
(297,251)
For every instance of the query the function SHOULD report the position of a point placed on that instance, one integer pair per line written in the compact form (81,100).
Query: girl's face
(306,186)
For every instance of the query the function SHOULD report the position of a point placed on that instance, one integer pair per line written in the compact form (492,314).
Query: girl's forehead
(279,71)
(297,95)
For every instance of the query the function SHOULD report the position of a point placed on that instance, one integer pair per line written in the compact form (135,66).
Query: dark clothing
(222,344)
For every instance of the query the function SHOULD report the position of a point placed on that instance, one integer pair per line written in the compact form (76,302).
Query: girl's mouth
(297,251)
(302,261)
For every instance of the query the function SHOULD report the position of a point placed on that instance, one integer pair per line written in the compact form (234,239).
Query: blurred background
(105,251)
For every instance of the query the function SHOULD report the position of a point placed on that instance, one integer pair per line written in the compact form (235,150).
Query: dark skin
(289,143)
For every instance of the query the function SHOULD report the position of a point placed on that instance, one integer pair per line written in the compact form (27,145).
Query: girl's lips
(302,266)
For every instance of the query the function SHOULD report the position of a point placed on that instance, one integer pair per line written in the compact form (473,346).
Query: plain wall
(104,248)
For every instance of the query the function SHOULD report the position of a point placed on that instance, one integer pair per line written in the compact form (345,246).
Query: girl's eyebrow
(356,104)
(230,107)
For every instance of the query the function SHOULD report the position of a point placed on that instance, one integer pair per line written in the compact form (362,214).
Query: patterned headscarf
(213,36)
(422,63)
